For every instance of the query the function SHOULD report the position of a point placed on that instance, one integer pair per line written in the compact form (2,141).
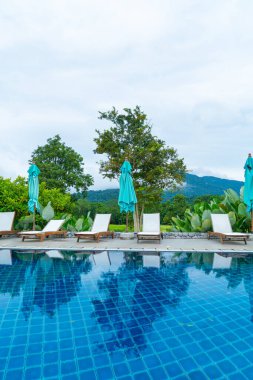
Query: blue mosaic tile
(33,373)
(87,375)
(51,370)
(142,376)
(158,373)
(213,372)
(13,375)
(105,373)
(248,372)
(173,369)
(197,375)
(238,376)
(74,318)
(121,370)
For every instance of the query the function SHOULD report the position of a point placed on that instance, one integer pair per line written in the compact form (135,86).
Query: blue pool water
(119,315)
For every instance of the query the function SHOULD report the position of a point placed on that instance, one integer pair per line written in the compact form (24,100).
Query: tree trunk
(141,217)
(127,222)
(34,211)
(136,219)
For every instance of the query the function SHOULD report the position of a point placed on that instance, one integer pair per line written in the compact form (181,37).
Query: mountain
(193,187)
(196,186)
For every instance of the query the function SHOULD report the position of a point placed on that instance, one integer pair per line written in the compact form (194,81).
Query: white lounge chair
(223,230)
(51,229)
(6,223)
(151,228)
(99,228)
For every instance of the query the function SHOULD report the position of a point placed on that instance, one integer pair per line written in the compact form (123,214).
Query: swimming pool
(125,315)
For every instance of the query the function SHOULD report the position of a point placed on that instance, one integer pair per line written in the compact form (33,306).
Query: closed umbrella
(33,190)
(127,197)
(248,186)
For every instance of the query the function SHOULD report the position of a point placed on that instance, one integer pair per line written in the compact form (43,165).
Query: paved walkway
(171,245)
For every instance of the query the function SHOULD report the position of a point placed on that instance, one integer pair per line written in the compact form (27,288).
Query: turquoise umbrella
(127,197)
(248,186)
(33,190)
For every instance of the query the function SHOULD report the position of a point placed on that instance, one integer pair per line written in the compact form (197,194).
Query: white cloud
(187,63)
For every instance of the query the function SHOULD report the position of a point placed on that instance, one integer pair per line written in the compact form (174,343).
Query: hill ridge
(194,186)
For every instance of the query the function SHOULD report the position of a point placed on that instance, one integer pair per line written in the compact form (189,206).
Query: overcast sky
(187,63)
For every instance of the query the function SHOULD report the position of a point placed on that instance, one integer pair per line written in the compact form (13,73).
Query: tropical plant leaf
(232,218)
(206,225)
(48,212)
(79,224)
(242,209)
(206,214)
(195,222)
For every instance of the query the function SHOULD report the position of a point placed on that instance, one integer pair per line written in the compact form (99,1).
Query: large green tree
(155,166)
(61,167)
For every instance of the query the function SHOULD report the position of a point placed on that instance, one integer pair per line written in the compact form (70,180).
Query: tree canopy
(155,166)
(61,167)
(14,195)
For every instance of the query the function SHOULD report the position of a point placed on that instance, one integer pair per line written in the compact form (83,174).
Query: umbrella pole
(127,222)
(34,210)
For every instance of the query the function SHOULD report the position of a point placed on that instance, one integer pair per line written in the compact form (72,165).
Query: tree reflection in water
(56,282)
(43,281)
(240,270)
(136,297)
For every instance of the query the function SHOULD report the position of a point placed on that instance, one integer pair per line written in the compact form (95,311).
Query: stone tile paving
(174,245)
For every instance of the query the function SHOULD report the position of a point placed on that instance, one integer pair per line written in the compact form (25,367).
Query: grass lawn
(122,228)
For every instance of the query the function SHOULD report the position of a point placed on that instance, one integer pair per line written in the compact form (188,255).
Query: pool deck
(169,245)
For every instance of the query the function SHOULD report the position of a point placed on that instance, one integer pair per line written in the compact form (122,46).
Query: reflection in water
(5,257)
(136,296)
(45,280)
(221,262)
(151,261)
(54,254)
(12,276)
(129,292)
(102,259)
(58,281)
(236,269)
(91,312)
